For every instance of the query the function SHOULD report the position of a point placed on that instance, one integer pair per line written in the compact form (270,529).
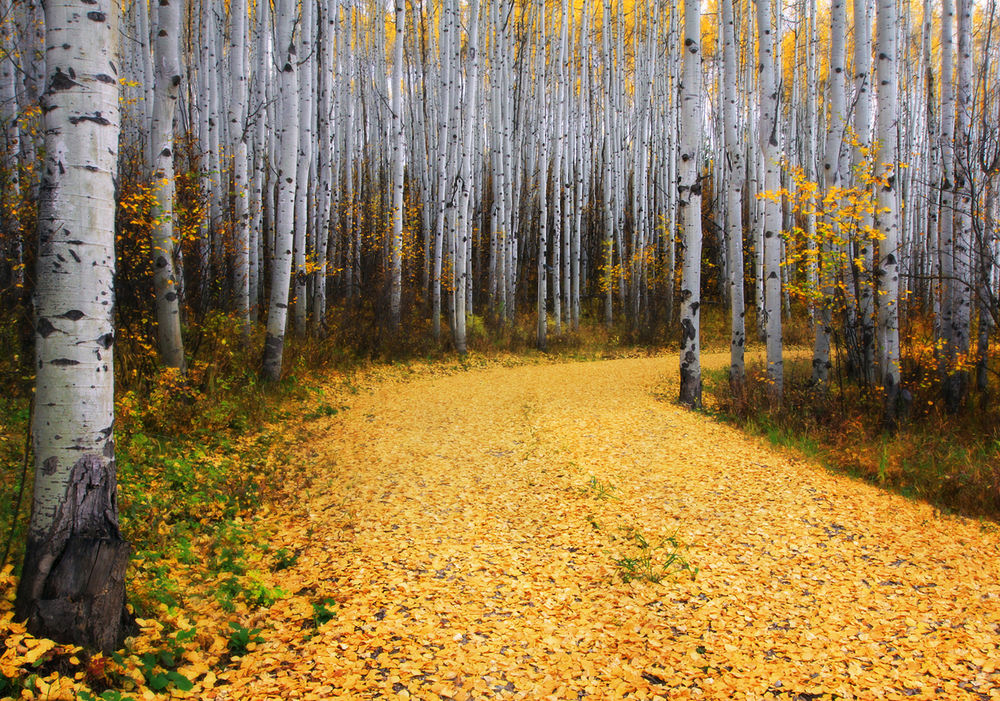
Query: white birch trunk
(947,220)
(446,30)
(887,214)
(10,147)
(305,73)
(831,180)
(734,207)
(168,80)
(240,154)
(464,229)
(288,139)
(864,316)
(957,383)
(398,164)
(72,586)
(770,153)
(689,200)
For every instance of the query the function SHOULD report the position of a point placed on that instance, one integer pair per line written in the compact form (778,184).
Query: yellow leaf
(40,648)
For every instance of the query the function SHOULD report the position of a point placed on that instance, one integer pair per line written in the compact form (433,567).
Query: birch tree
(288,139)
(238,134)
(464,229)
(168,80)
(831,181)
(734,204)
(10,147)
(689,200)
(541,336)
(72,586)
(861,350)
(770,154)
(960,285)
(398,164)
(303,90)
(887,214)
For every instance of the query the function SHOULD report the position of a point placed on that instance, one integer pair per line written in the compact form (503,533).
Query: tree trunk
(464,229)
(238,134)
(887,214)
(734,204)
(770,152)
(10,147)
(168,80)
(689,199)
(831,181)
(288,139)
(304,90)
(398,164)
(957,382)
(72,585)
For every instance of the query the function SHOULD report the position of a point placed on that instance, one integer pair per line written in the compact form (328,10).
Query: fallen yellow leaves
(470,524)
(461,533)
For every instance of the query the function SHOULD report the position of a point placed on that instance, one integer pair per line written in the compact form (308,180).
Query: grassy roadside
(952,462)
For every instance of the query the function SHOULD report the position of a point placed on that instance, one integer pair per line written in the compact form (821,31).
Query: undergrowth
(951,461)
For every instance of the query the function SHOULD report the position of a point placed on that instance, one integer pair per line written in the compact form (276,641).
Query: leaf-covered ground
(557,531)
(472,534)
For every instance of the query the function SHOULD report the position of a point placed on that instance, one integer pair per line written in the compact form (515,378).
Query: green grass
(951,461)
(652,561)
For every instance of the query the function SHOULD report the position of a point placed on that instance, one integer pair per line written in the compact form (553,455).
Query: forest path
(471,523)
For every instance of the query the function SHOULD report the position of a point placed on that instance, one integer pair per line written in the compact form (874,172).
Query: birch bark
(288,139)
(164,242)
(72,586)
(770,153)
(887,214)
(689,200)
(734,204)
(398,164)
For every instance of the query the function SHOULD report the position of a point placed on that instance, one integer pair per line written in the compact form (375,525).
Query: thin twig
(24,479)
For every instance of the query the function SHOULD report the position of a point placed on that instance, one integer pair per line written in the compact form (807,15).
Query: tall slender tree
(398,165)
(768,132)
(734,193)
(165,282)
(887,213)
(72,584)
(464,230)
(831,181)
(689,200)
(288,139)
(238,135)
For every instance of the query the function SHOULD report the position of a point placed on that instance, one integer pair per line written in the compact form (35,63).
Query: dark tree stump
(83,598)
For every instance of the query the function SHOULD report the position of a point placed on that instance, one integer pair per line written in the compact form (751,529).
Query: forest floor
(568,531)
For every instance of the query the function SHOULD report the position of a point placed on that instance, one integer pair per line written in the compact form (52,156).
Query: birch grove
(450,176)
(457,161)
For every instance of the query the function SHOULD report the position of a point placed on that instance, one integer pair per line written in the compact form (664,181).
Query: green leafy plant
(159,667)
(323,410)
(284,559)
(108,695)
(324,611)
(652,562)
(241,638)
